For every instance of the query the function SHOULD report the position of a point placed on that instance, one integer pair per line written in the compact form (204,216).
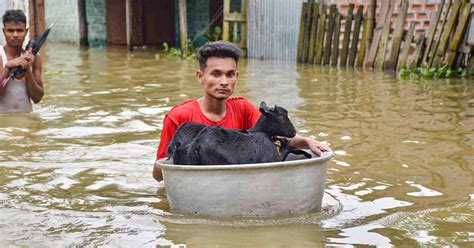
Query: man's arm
(4,74)
(307,142)
(34,83)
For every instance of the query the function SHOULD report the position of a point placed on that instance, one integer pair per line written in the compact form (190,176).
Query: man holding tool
(16,90)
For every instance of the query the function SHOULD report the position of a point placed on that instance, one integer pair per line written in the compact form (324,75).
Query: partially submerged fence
(328,37)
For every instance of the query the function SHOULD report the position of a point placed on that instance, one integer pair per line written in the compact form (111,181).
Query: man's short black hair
(14,15)
(220,49)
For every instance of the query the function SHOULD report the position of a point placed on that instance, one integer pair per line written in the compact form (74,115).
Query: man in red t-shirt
(218,75)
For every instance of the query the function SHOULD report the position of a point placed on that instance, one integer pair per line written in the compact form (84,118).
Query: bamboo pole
(413,63)
(301,34)
(307,29)
(406,47)
(363,42)
(460,30)
(470,66)
(443,41)
(370,22)
(183,28)
(355,38)
(347,34)
(380,60)
(128,13)
(329,33)
(335,39)
(314,28)
(321,30)
(374,46)
(432,53)
(397,35)
(432,30)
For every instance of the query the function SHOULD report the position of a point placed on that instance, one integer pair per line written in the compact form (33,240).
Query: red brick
(422,16)
(417,7)
(431,7)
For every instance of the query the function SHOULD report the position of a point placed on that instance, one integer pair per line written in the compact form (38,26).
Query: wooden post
(301,34)
(335,39)
(243,26)
(432,53)
(347,34)
(128,17)
(374,44)
(226,24)
(321,30)
(413,62)
(314,27)
(307,29)
(183,28)
(397,35)
(432,30)
(363,42)
(355,38)
(380,60)
(406,47)
(33,8)
(460,30)
(370,23)
(443,41)
(83,36)
(329,33)
(37,18)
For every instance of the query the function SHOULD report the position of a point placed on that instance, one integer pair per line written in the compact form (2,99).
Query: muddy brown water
(77,171)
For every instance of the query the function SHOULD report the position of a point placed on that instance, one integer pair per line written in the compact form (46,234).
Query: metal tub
(266,189)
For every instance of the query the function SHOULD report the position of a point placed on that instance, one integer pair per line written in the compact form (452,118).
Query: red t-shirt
(240,114)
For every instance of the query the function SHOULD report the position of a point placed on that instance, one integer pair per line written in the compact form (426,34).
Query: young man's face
(219,77)
(15,33)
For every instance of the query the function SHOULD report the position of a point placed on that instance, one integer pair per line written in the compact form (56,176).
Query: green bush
(439,71)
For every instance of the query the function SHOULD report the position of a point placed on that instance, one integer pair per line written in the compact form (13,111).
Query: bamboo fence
(356,39)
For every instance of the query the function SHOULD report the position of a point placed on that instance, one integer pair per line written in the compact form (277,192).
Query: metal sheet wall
(273,27)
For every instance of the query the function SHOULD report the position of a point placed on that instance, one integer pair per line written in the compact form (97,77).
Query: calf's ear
(264,108)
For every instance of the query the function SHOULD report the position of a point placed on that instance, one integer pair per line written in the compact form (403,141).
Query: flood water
(77,171)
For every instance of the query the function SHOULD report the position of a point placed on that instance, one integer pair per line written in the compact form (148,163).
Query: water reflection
(78,170)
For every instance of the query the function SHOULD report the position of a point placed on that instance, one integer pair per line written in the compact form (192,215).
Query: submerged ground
(77,171)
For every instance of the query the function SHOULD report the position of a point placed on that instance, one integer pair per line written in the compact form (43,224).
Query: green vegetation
(215,35)
(175,52)
(439,71)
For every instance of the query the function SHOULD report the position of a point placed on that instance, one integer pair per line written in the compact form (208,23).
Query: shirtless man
(15,94)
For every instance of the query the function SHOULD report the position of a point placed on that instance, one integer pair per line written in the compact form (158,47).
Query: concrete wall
(96,28)
(66,28)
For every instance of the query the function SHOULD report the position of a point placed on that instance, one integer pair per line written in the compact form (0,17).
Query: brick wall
(419,11)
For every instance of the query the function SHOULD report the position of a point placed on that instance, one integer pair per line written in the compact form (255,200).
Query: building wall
(65,12)
(96,24)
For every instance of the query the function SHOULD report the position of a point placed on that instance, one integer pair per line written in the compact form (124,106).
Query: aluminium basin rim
(326,156)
